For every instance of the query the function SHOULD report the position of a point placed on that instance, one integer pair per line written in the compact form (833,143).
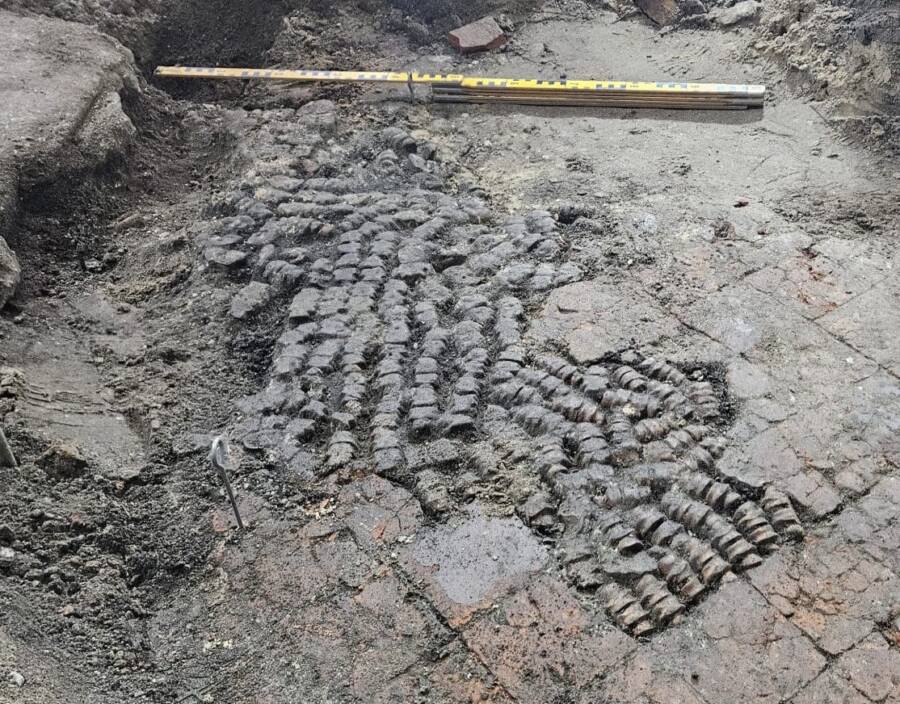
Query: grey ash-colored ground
(523,404)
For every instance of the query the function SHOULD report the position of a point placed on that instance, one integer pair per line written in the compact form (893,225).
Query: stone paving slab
(836,594)
(642,679)
(541,642)
(870,324)
(467,565)
(750,652)
(873,668)
(594,319)
(749,323)
(830,688)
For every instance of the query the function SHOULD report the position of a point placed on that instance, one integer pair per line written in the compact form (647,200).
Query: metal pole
(218,457)
(7,458)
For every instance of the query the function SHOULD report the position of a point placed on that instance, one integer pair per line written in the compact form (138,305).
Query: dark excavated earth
(521,404)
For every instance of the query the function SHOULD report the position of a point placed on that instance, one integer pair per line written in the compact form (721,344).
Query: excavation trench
(215,33)
(422,383)
(65,205)
(93,373)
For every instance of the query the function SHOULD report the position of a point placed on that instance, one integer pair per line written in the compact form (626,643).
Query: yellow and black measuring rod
(457,88)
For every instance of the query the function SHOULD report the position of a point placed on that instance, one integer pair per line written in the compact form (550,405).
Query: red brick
(541,640)
(660,11)
(482,35)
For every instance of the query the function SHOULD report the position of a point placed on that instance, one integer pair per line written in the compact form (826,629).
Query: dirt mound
(10,272)
(847,51)
(71,132)
(218,32)
(454,12)
(129,21)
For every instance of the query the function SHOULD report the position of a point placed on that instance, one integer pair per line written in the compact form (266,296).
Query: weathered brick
(482,35)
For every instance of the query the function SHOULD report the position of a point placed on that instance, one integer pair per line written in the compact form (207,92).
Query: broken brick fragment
(663,12)
(483,35)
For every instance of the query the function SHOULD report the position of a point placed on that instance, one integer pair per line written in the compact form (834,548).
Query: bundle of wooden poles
(451,88)
(601,94)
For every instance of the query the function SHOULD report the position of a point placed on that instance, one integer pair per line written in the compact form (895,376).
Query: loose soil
(458,297)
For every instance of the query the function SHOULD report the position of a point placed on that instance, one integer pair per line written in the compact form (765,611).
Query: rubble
(741,12)
(250,300)
(12,382)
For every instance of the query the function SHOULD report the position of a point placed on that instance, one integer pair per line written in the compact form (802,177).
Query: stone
(646,223)
(814,493)
(225,258)
(62,460)
(567,213)
(283,276)
(266,254)
(538,510)
(663,12)
(16,679)
(319,115)
(7,560)
(272,196)
(418,163)
(743,11)
(285,183)
(432,492)
(128,222)
(250,299)
(483,35)
(214,241)
(630,568)
(873,668)
(10,273)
